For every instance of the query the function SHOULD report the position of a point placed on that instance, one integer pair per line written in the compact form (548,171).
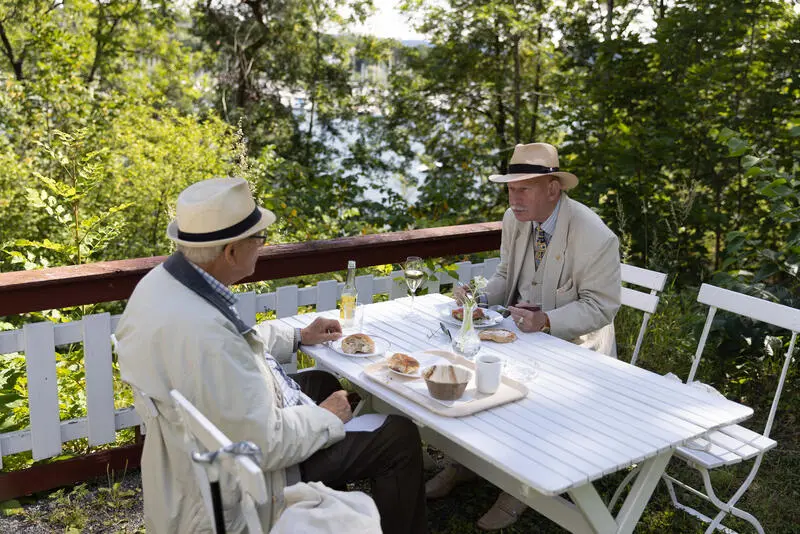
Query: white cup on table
(488,372)
(356,324)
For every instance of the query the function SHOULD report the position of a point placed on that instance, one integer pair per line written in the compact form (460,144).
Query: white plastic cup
(358,318)
(488,371)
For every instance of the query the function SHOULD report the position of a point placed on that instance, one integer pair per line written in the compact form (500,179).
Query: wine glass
(414,274)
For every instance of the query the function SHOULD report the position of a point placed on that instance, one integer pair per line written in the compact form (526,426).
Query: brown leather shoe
(504,513)
(447,479)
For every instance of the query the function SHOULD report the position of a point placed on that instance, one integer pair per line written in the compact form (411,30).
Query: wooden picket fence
(39,341)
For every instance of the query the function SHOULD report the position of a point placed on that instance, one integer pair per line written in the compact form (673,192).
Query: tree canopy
(110,108)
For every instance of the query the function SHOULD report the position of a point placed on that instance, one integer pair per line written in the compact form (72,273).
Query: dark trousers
(390,458)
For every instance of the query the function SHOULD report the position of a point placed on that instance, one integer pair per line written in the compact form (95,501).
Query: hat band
(524,168)
(231,231)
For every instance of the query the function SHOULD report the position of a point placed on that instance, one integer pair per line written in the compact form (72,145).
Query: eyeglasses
(262,237)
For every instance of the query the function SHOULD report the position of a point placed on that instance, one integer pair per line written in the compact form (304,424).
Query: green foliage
(75,236)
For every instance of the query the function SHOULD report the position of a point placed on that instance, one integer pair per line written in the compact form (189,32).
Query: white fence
(38,343)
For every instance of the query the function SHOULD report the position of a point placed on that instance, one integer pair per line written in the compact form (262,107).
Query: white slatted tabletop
(587,415)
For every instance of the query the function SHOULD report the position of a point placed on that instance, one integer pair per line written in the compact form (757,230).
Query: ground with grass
(116,507)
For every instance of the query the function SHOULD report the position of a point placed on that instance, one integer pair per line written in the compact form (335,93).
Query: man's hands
(321,330)
(527,317)
(338,405)
(459,292)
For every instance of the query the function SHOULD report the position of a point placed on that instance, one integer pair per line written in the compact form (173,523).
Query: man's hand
(528,318)
(338,405)
(459,292)
(321,330)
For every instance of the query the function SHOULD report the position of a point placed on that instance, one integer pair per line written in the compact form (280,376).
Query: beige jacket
(581,285)
(171,338)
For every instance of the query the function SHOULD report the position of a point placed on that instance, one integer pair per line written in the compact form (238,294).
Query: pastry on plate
(500,335)
(358,343)
(458,314)
(403,363)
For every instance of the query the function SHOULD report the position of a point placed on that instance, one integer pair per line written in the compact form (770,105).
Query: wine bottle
(347,312)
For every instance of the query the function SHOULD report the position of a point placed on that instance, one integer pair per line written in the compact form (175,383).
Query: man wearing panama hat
(180,330)
(559,273)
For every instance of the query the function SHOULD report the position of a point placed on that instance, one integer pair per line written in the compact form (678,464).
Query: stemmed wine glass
(414,275)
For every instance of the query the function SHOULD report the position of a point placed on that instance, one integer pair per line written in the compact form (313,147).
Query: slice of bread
(403,363)
(358,344)
(500,335)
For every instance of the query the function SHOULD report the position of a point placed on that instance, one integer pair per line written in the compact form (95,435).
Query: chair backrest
(756,309)
(644,302)
(203,433)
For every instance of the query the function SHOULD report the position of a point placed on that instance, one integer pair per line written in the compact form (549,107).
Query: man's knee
(404,432)
(324,380)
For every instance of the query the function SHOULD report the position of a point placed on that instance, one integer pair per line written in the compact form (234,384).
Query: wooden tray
(472,402)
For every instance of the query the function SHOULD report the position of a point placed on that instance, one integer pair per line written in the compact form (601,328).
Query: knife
(446,331)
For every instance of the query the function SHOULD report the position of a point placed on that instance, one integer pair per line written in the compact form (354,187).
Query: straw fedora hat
(532,160)
(215,212)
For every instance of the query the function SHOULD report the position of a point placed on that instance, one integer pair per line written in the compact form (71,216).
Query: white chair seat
(727,446)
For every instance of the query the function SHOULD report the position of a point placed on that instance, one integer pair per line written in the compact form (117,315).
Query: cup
(356,324)
(488,371)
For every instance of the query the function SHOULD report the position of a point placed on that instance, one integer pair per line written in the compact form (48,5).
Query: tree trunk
(500,118)
(537,85)
(517,91)
(9,53)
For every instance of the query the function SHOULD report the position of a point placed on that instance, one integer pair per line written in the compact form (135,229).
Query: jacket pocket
(566,294)
(565,288)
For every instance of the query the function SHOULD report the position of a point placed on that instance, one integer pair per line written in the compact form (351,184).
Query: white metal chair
(732,444)
(644,302)
(203,436)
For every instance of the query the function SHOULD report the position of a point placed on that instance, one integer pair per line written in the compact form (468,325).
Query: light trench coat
(581,284)
(172,338)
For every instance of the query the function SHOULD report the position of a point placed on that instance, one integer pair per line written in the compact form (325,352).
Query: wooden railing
(46,289)
(22,292)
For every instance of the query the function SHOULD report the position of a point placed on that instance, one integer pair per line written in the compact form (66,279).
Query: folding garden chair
(644,302)
(211,452)
(732,444)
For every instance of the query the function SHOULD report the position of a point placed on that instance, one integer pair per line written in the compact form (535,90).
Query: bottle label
(347,312)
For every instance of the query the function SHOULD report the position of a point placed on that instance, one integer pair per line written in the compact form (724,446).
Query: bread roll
(500,335)
(403,363)
(358,343)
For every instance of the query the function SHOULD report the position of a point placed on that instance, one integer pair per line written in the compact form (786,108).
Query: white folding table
(586,416)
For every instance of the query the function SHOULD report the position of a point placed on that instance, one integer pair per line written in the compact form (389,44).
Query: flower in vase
(475,288)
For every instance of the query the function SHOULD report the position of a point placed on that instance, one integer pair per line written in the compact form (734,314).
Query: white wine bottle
(347,312)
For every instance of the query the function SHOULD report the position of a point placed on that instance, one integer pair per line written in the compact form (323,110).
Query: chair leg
(729,507)
(671,483)
(622,485)
(724,508)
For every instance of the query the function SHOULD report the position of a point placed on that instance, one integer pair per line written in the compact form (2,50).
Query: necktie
(539,245)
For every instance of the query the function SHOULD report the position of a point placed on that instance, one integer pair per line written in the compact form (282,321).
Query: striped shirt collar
(549,226)
(218,287)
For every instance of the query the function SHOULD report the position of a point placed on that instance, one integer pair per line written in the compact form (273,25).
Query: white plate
(381,346)
(492,317)
(424,359)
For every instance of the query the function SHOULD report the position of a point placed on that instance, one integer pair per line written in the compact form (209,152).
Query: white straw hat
(215,212)
(532,160)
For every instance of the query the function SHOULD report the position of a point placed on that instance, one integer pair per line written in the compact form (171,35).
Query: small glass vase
(466,342)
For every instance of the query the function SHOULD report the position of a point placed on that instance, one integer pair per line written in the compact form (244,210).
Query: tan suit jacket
(581,284)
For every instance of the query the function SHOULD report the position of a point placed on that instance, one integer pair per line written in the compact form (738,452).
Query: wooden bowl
(446,382)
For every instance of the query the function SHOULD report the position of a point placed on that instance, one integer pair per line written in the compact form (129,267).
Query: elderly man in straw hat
(559,273)
(180,330)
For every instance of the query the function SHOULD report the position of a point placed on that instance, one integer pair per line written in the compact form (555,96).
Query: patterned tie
(539,245)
